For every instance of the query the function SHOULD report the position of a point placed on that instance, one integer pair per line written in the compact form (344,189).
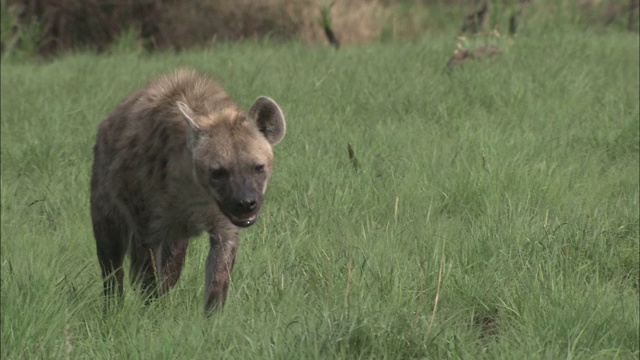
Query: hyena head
(232,156)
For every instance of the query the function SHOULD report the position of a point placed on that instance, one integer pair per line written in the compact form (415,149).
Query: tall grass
(493,212)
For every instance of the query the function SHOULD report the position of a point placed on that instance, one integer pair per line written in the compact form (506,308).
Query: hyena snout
(246,205)
(242,209)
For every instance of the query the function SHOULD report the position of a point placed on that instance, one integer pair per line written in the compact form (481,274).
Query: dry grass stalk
(437,297)
(348,290)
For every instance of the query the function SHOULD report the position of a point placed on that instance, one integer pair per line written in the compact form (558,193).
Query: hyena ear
(193,130)
(188,114)
(269,119)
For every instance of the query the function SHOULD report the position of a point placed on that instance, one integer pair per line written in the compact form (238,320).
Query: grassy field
(493,212)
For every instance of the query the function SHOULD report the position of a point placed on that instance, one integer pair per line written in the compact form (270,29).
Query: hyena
(174,159)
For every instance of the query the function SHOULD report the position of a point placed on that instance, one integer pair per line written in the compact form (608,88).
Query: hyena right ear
(193,130)
(188,114)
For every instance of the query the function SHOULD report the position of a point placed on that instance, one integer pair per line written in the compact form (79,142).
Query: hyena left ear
(269,119)
(193,130)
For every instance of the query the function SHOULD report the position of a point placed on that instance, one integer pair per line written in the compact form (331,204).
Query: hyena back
(174,159)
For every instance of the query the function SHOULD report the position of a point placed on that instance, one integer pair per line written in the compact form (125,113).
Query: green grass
(508,191)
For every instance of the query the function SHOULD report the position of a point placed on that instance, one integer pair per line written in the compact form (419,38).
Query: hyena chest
(169,210)
(174,224)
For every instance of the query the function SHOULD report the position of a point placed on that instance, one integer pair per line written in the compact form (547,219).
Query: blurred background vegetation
(44,28)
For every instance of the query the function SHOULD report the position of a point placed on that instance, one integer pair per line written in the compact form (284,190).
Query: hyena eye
(259,168)
(218,173)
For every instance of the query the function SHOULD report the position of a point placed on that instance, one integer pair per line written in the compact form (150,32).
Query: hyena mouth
(244,221)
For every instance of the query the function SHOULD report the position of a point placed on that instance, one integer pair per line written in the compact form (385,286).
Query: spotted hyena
(174,159)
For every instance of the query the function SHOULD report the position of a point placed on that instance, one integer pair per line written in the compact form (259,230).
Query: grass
(508,191)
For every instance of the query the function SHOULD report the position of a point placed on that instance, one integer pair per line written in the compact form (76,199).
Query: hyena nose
(246,205)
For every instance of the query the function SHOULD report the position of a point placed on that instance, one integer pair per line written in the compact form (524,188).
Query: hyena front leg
(111,234)
(157,270)
(144,269)
(222,255)
(171,260)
